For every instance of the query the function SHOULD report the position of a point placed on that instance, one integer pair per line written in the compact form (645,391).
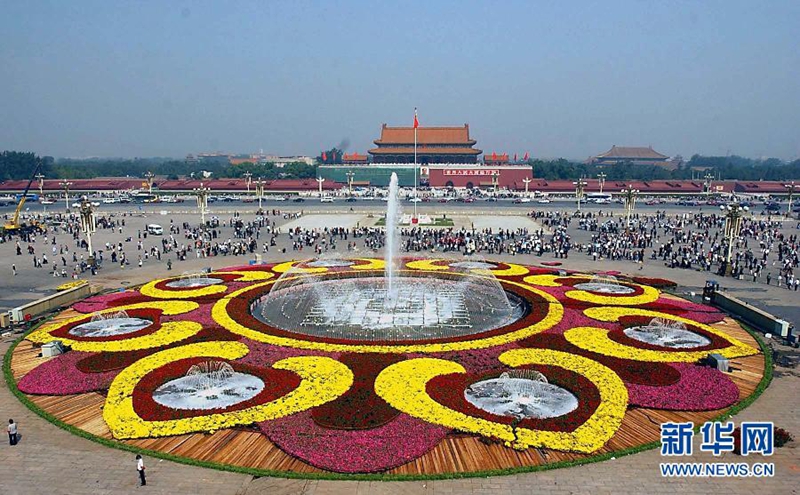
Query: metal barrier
(35,309)
(757,317)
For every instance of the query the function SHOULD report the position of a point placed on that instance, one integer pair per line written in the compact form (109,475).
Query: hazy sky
(570,79)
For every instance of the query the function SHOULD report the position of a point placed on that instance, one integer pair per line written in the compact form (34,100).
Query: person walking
(12,432)
(140,468)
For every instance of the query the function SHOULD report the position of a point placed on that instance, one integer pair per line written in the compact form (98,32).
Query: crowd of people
(763,252)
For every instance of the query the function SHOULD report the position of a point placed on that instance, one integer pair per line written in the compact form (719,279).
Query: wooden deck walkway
(456,454)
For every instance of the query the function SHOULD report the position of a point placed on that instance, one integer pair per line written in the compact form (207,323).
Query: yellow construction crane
(13,225)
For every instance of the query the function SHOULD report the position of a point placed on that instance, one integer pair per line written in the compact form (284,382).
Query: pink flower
(59,376)
(699,389)
(354,451)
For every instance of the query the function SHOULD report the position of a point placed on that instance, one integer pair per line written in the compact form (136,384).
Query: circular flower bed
(192,359)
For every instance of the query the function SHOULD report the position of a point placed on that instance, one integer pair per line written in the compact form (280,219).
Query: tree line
(20,165)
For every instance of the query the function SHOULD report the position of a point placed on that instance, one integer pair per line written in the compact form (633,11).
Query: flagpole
(415,164)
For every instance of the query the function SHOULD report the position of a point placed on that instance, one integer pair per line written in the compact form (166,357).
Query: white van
(326,199)
(155,229)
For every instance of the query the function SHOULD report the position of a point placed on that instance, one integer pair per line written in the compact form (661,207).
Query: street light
(733,225)
(88,225)
(40,177)
(601,179)
(350,174)
(526,180)
(580,185)
(320,180)
(149,177)
(248,179)
(260,191)
(629,196)
(495,180)
(202,200)
(790,188)
(65,186)
(709,177)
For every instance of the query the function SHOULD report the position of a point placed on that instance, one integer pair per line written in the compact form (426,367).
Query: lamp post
(580,185)
(88,225)
(495,180)
(708,178)
(526,180)
(790,188)
(259,191)
(320,180)
(40,178)
(601,179)
(733,225)
(65,186)
(629,196)
(248,179)
(350,174)
(202,201)
(149,177)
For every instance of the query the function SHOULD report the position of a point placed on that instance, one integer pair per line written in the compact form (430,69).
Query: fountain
(390,251)
(392,305)
(521,394)
(208,385)
(667,333)
(193,280)
(605,284)
(109,324)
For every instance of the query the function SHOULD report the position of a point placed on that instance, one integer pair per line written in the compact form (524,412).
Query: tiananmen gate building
(446,157)
(434,145)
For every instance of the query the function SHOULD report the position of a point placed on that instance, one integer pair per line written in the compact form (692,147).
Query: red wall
(480,174)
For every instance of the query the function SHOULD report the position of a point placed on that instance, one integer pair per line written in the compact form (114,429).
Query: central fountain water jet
(390,251)
(397,306)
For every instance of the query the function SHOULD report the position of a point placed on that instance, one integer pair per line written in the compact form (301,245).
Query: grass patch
(12,385)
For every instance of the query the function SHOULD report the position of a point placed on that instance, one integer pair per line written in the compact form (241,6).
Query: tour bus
(155,229)
(599,198)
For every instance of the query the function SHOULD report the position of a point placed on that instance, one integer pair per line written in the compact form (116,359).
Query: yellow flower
(555,312)
(323,380)
(292,265)
(596,339)
(149,289)
(542,280)
(427,265)
(71,285)
(403,386)
(170,332)
(247,275)
(372,264)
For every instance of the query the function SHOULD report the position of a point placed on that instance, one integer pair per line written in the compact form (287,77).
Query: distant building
(354,159)
(631,154)
(434,145)
(495,159)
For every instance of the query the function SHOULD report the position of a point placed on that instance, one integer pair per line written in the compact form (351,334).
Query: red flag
(494,156)
(525,158)
(324,157)
(416,122)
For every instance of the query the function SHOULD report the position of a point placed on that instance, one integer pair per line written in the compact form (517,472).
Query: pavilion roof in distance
(425,135)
